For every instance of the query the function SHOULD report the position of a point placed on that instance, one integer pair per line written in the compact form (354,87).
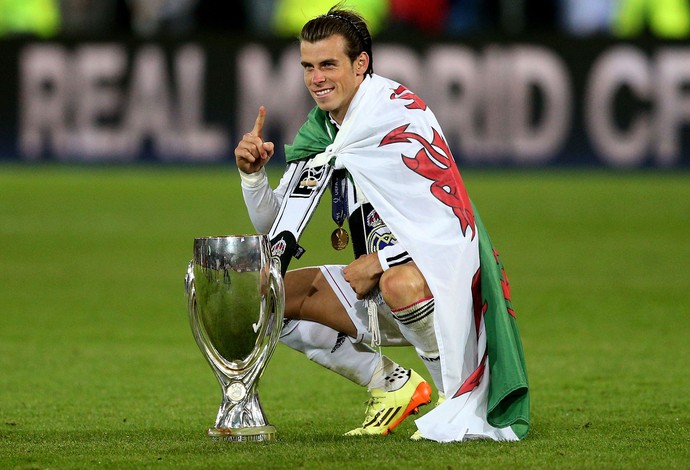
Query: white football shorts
(357,310)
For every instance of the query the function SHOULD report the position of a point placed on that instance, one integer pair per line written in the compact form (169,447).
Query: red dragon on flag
(435,162)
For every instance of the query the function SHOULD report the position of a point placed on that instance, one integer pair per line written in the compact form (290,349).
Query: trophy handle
(190,294)
(276,303)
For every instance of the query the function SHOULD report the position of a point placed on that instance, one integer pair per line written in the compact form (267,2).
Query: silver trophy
(235,300)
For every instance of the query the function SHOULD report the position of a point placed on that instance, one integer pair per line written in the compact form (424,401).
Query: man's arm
(251,156)
(262,202)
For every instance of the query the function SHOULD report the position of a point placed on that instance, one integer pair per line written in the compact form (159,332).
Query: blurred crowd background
(667,19)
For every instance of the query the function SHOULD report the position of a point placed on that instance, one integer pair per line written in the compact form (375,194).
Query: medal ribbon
(339,193)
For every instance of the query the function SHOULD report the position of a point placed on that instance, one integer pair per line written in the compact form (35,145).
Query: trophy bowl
(235,301)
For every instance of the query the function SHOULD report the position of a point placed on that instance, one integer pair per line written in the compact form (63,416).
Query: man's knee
(403,285)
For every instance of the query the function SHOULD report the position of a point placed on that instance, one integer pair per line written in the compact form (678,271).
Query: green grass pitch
(98,366)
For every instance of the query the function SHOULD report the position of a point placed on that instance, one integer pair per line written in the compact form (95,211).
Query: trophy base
(249,434)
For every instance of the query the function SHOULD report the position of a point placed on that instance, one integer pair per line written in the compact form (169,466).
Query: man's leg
(396,391)
(332,350)
(323,330)
(406,292)
(308,296)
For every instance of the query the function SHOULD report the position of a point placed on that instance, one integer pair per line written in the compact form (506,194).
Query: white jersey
(369,232)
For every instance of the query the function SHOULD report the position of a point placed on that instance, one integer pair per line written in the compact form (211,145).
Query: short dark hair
(346,23)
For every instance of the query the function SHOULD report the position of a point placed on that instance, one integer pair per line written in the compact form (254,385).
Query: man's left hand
(363,274)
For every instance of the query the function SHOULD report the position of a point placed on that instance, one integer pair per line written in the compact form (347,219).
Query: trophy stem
(241,408)
(240,416)
(243,419)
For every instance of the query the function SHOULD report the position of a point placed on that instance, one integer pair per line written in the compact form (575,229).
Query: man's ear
(362,63)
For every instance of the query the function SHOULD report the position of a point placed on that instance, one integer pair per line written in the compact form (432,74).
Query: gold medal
(339,238)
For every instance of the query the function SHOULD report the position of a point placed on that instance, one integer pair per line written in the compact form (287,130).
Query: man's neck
(333,121)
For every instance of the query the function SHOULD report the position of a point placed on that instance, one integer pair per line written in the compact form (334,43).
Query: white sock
(332,350)
(388,376)
(416,323)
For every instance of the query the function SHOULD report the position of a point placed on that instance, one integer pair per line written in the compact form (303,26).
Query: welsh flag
(508,403)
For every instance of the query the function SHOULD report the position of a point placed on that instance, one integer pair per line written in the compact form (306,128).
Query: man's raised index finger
(259,123)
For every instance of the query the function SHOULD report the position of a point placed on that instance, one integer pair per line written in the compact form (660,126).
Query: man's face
(330,76)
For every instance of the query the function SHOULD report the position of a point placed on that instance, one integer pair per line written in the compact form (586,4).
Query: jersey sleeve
(262,202)
(393,255)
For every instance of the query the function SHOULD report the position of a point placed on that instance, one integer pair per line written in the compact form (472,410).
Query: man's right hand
(252,153)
